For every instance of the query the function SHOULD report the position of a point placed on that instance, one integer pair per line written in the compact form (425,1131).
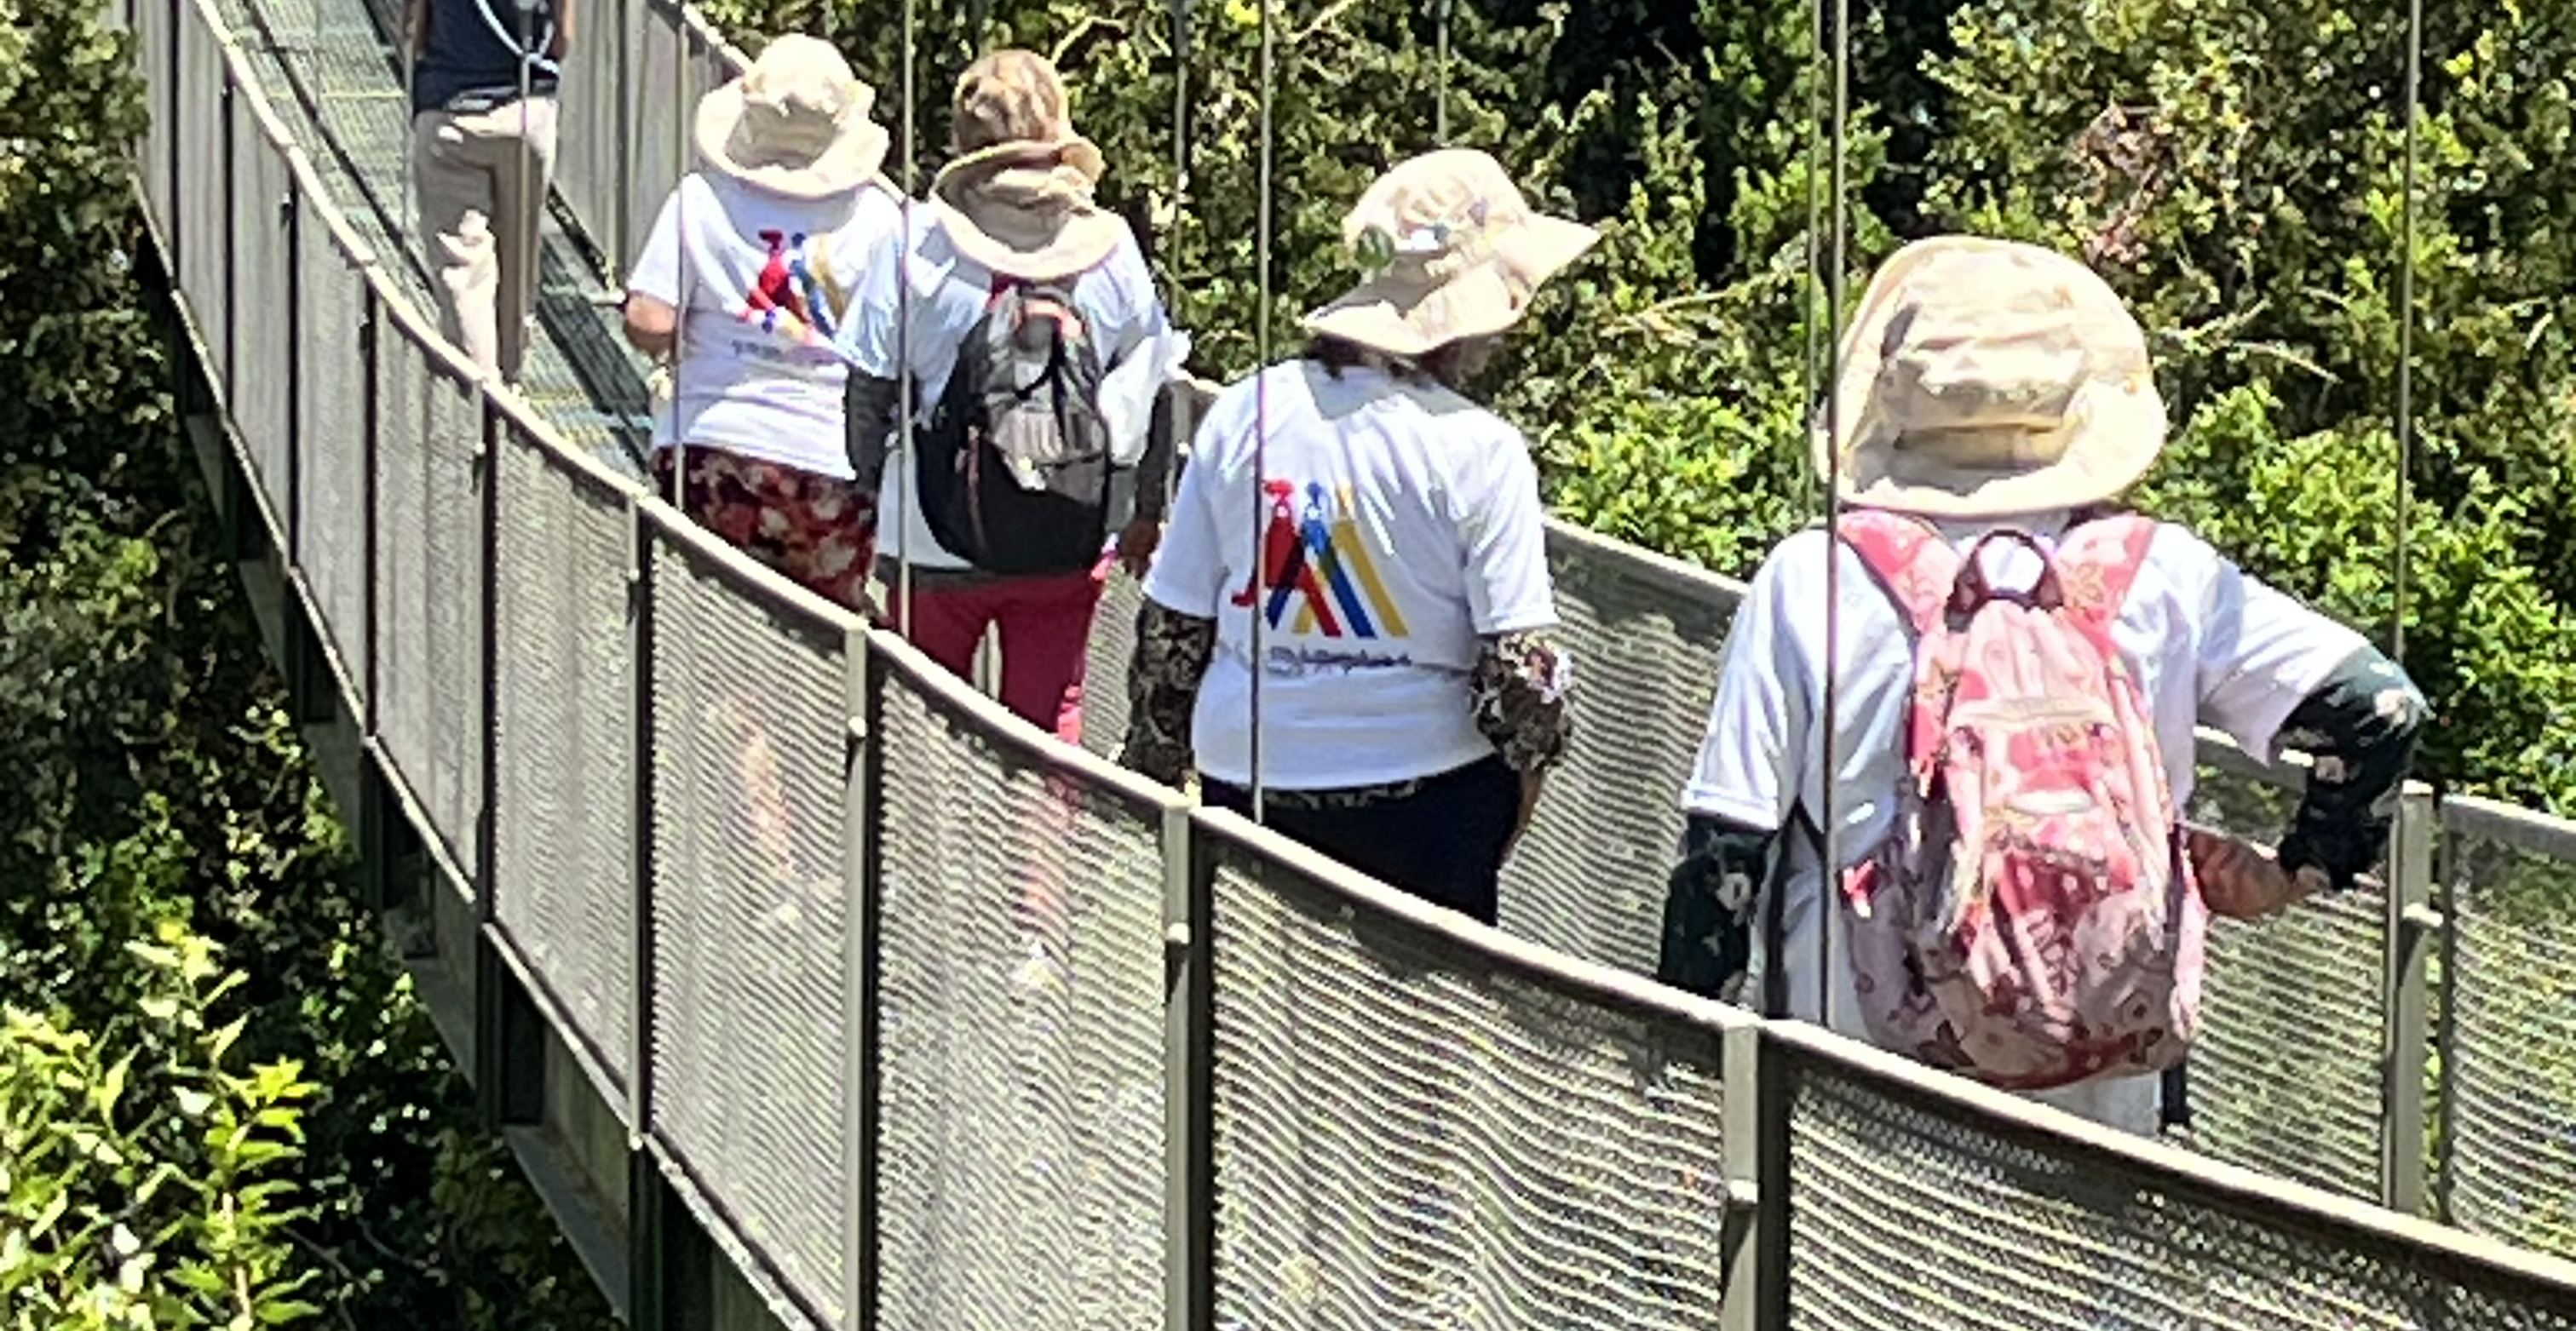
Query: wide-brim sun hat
(1984,378)
(1457,253)
(1018,199)
(795,124)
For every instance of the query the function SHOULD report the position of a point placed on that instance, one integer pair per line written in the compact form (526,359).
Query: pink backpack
(2032,920)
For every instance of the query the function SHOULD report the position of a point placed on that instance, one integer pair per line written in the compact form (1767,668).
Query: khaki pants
(481,178)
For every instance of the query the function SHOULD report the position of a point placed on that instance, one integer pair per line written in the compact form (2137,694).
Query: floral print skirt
(818,530)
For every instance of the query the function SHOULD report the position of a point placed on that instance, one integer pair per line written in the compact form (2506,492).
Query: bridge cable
(1261,243)
(906,492)
(1837,259)
(2406,331)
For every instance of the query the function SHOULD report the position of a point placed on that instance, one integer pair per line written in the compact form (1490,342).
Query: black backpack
(1015,468)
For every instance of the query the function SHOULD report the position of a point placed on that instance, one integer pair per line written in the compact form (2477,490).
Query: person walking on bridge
(2018,666)
(483,82)
(1029,303)
(1396,606)
(741,286)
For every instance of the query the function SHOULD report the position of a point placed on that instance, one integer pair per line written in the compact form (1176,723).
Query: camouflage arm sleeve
(1520,683)
(1171,657)
(2361,726)
(1708,908)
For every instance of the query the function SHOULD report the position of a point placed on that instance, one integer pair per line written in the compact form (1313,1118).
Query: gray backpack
(1016,471)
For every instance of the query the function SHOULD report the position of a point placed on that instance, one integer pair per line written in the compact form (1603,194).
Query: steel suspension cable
(2406,330)
(1261,243)
(907,488)
(1828,816)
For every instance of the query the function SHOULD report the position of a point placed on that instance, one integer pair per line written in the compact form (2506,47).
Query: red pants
(1046,638)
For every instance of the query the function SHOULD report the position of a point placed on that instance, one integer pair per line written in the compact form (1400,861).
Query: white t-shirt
(949,293)
(766,279)
(2208,644)
(1411,523)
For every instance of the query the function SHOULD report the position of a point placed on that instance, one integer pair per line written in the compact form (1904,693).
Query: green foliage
(150,1192)
(2235,168)
(162,811)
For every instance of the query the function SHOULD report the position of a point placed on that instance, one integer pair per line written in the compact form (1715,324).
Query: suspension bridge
(814,990)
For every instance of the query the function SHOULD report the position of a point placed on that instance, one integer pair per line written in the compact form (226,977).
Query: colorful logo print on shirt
(1318,562)
(794,297)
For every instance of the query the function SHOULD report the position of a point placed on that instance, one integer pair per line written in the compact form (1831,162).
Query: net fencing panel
(749,897)
(2285,1074)
(1909,1211)
(591,152)
(404,710)
(563,812)
(260,373)
(1021,1168)
(331,383)
(1407,1137)
(157,24)
(2510,1110)
(1588,879)
(205,201)
(451,479)
(1104,680)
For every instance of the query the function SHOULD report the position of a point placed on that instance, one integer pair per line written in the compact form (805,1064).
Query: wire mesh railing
(934,1021)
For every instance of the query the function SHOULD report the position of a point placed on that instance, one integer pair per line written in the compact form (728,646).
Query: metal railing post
(863,774)
(2412,927)
(1189,1071)
(648,1196)
(1756,1148)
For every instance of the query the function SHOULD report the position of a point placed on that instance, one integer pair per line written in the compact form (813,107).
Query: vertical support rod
(495,989)
(2446,885)
(371,344)
(1756,1150)
(2406,330)
(647,1194)
(863,776)
(1189,1070)
(2411,925)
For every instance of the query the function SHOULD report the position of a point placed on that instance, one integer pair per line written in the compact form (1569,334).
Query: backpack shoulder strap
(2099,561)
(1917,568)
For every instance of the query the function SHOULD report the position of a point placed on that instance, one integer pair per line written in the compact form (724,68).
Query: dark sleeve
(1709,902)
(1520,685)
(868,410)
(1154,469)
(2361,726)
(1171,658)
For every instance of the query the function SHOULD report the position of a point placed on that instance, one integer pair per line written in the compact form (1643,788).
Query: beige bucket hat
(1458,253)
(795,124)
(1988,377)
(1017,199)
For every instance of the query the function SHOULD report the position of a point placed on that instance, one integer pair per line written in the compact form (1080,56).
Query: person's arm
(2275,673)
(1708,907)
(653,296)
(2361,726)
(1743,786)
(416,27)
(1522,675)
(563,30)
(872,402)
(1176,631)
(1163,677)
(1144,529)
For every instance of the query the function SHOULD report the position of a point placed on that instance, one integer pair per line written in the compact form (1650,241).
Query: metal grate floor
(334,81)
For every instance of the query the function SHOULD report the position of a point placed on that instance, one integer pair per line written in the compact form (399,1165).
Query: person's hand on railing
(2241,881)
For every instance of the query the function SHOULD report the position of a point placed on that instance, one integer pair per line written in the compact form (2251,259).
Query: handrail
(1764,1063)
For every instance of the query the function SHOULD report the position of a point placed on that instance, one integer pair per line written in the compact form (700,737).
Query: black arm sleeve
(1710,901)
(2361,726)
(868,406)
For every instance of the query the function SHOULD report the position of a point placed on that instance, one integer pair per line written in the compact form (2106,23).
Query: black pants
(1443,843)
